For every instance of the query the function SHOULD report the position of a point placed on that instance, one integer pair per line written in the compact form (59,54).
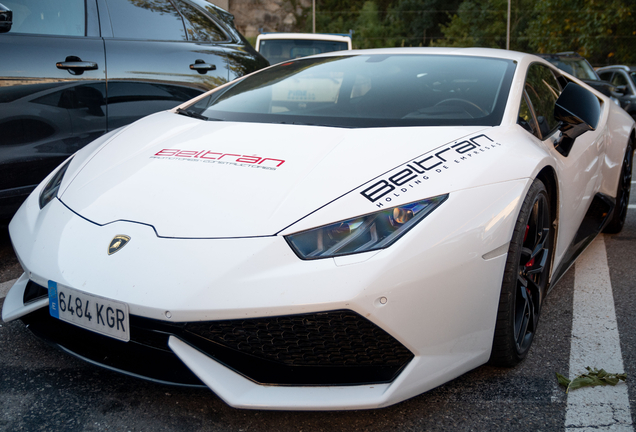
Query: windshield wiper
(192,114)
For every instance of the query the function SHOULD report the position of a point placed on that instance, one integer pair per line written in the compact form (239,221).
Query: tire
(525,279)
(615,225)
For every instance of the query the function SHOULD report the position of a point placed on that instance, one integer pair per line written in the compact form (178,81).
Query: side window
(619,80)
(606,76)
(145,19)
(542,90)
(46,17)
(526,120)
(199,26)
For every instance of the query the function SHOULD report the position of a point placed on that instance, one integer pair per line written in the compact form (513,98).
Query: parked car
(278,47)
(73,70)
(575,64)
(623,78)
(342,231)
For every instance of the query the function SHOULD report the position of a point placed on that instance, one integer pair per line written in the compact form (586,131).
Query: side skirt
(597,216)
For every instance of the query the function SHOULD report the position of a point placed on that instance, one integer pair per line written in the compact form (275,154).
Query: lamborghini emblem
(118,242)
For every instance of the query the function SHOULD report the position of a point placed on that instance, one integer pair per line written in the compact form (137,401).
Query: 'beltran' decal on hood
(410,175)
(208,156)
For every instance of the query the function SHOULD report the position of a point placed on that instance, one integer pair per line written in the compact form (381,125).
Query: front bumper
(433,296)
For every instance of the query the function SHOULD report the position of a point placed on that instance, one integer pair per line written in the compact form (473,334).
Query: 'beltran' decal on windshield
(207,156)
(406,177)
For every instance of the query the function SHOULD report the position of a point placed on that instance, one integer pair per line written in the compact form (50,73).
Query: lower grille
(33,292)
(330,348)
(339,338)
(146,355)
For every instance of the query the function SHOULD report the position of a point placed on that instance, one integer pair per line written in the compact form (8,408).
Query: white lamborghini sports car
(343,231)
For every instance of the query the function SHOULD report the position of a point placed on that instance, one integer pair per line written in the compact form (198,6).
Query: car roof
(571,54)
(308,36)
(617,67)
(516,56)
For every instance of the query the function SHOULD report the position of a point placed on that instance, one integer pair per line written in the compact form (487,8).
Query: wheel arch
(549,178)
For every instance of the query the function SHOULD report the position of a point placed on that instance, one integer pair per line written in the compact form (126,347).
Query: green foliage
(335,16)
(592,378)
(418,22)
(602,31)
(382,23)
(371,32)
(483,23)
(365,18)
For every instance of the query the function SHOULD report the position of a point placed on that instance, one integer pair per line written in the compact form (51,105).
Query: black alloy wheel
(615,225)
(525,279)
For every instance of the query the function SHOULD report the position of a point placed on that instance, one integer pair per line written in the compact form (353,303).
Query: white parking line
(595,343)
(5,286)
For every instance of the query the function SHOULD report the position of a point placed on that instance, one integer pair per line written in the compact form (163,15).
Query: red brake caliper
(531,262)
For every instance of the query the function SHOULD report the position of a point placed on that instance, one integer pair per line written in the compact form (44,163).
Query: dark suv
(623,78)
(72,70)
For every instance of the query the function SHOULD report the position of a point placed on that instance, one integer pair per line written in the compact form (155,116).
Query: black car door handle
(201,66)
(75,65)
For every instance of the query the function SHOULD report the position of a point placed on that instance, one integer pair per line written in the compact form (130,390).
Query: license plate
(98,314)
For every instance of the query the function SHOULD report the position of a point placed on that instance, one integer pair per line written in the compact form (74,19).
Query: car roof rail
(614,67)
(569,53)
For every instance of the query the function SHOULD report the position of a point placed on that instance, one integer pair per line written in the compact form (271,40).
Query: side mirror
(621,91)
(579,111)
(6,19)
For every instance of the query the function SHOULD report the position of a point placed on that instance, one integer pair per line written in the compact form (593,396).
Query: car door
(52,91)
(579,167)
(159,55)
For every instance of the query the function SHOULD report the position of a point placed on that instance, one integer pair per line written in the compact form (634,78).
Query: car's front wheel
(525,279)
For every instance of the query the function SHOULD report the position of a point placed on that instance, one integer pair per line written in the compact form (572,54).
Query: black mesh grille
(339,338)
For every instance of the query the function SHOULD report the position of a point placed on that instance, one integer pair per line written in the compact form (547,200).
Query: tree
(417,22)
(602,31)
(370,31)
(483,23)
(366,18)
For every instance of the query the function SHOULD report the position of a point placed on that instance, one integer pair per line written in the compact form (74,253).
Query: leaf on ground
(563,380)
(593,377)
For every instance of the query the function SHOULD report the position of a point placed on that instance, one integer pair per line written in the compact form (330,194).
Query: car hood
(204,179)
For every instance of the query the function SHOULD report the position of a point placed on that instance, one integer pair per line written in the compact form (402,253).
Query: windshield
(369,91)
(580,68)
(278,50)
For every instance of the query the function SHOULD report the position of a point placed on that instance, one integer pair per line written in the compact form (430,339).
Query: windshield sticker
(207,156)
(408,176)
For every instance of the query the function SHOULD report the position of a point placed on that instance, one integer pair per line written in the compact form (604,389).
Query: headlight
(50,190)
(365,233)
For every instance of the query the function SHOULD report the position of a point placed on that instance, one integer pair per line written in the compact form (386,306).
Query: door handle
(201,66)
(75,65)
